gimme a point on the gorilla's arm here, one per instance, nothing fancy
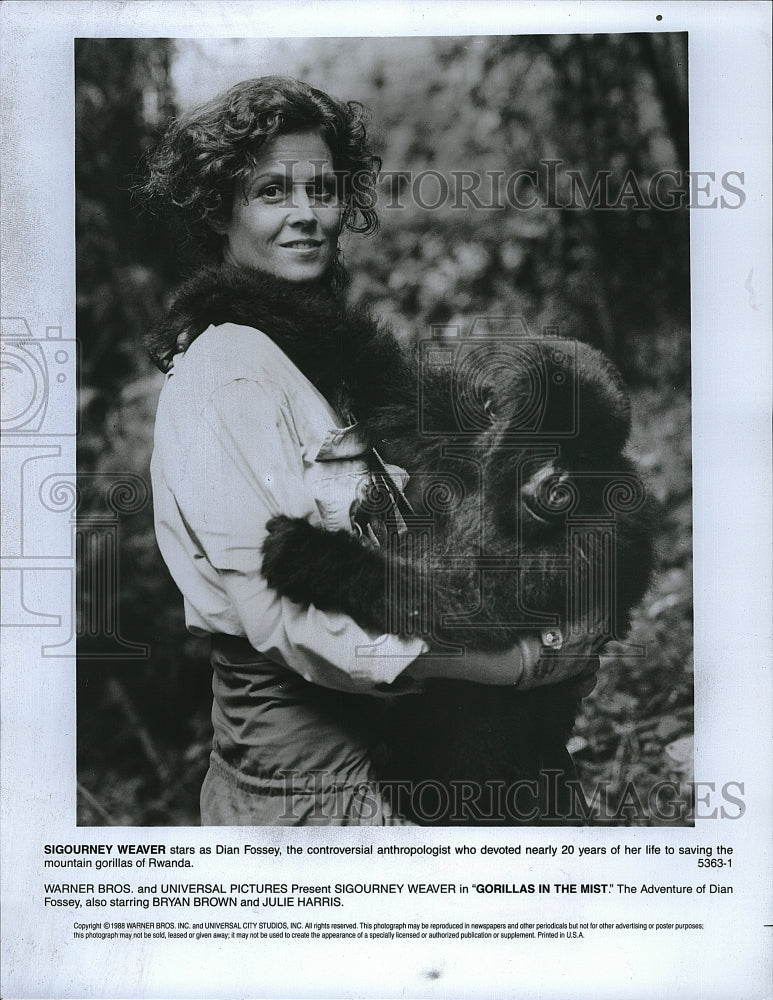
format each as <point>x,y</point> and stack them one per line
<point>331,570</point>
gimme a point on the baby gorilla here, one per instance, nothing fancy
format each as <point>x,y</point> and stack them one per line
<point>522,514</point>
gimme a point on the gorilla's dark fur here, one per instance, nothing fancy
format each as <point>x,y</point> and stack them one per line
<point>522,513</point>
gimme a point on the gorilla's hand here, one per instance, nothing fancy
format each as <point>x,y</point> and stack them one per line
<point>285,565</point>
<point>332,570</point>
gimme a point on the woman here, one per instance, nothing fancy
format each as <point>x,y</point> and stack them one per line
<point>256,418</point>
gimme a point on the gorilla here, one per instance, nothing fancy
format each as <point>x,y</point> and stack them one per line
<point>522,514</point>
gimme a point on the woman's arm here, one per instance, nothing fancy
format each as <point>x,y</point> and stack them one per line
<point>220,473</point>
<point>527,665</point>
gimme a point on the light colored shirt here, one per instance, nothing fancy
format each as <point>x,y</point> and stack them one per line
<point>242,435</point>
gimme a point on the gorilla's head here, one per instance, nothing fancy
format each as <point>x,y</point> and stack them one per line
<point>546,421</point>
<point>550,420</point>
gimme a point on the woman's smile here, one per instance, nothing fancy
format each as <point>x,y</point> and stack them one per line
<point>288,219</point>
<point>302,245</point>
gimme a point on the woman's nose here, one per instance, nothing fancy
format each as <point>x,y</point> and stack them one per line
<point>301,208</point>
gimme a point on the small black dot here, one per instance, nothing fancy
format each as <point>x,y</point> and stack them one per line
<point>658,17</point>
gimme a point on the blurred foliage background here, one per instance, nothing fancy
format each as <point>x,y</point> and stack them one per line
<point>618,279</point>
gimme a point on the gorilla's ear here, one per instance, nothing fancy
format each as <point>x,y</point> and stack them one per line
<point>489,404</point>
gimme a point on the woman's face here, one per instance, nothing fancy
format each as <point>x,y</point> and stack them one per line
<point>288,219</point>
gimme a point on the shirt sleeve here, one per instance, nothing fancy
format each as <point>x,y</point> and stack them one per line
<point>244,467</point>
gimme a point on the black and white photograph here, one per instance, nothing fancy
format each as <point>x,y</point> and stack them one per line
<point>434,523</point>
<point>386,397</point>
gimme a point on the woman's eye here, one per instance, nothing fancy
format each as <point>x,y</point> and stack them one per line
<point>324,191</point>
<point>272,192</point>
<point>320,192</point>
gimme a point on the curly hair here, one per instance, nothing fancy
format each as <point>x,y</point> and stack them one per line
<point>208,154</point>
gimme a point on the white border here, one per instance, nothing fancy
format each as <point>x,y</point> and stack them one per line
<point>730,130</point>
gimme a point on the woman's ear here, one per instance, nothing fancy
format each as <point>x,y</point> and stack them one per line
<point>219,226</point>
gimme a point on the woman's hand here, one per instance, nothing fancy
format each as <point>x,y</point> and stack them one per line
<point>567,659</point>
